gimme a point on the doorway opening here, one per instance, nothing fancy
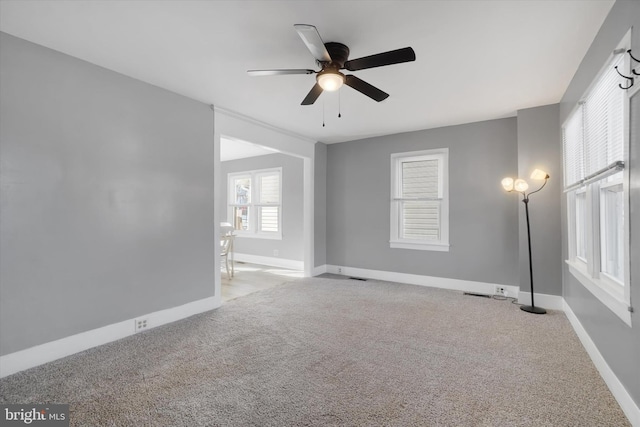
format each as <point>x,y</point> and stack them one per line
<point>260,206</point>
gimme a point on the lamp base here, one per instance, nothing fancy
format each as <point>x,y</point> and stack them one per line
<point>530,309</point>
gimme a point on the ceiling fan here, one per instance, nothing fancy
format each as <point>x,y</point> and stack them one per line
<point>333,57</point>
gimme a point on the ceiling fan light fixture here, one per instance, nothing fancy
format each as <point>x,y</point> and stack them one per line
<point>330,81</point>
<point>333,57</point>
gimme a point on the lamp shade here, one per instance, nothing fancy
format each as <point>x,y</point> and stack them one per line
<point>520,185</point>
<point>330,81</point>
<point>539,174</point>
<point>507,183</point>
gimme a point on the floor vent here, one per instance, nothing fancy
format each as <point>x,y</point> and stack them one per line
<point>477,295</point>
<point>358,278</point>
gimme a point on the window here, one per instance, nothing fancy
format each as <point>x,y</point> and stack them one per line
<point>595,147</point>
<point>255,205</point>
<point>581,224</point>
<point>420,200</point>
<point>612,231</point>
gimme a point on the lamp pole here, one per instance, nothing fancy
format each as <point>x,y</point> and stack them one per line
<point>530,308</point>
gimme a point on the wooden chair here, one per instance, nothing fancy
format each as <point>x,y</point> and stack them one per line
<point>226,248</point>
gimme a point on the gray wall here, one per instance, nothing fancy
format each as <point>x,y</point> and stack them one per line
<point>292,244</point>
<point>618,343</point>
<point>107,197</point>
<point>539,146</point>
<point>320,205</point>
<point>483,219</point>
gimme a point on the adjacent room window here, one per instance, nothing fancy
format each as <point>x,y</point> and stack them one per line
<point>255,203</point>
<point>420,200</point>
<point>596,146</point>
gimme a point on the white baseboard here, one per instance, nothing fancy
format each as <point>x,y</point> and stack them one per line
<point>618,390</point>
<point>551,302</point>
<point>270,261</point>
<point>415,279</point>
<point>321,269</point>
<point>48,352</point>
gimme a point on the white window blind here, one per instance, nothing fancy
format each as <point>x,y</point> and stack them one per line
<point>603,121</point>
<point>269,195</point>
<point>420,217</point>
<point>593,136</point>
<point>421,220</point>
<point>420,179</point>
<point>269,189</point>
<point>572,138</point>
<point>269,218</point>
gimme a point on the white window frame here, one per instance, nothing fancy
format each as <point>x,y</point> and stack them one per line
<point>612,293</point>
<point>254,203</point>
<point>396,242</point>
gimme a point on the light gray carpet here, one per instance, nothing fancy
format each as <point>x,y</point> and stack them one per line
<point>324,352</point>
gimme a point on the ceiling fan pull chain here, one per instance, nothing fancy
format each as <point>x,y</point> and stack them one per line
<point>339,114</point>
<point>323,113</point>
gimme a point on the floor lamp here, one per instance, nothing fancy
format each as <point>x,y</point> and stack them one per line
<point>521,186</point>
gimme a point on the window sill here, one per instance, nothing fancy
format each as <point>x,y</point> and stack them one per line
<point>259,236</point>
<point>419,246</point>
<point>599,289</point>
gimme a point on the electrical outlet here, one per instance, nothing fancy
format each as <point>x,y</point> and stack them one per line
<point>141,324</point>
<point>339,270</point>
<point>276,252</point>
<point>500,291</point>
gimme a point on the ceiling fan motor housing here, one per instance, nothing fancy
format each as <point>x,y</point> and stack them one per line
<point>339,54</point>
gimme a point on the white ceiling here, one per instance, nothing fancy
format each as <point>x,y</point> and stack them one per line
<point>476,60</point>
<point>233,149</point>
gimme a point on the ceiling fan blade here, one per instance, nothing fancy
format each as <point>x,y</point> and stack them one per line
<point>310,36</point>
<point>365,88</point>
<point>313,94</point>
<point>278,72</point>
<point>397,56</point>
